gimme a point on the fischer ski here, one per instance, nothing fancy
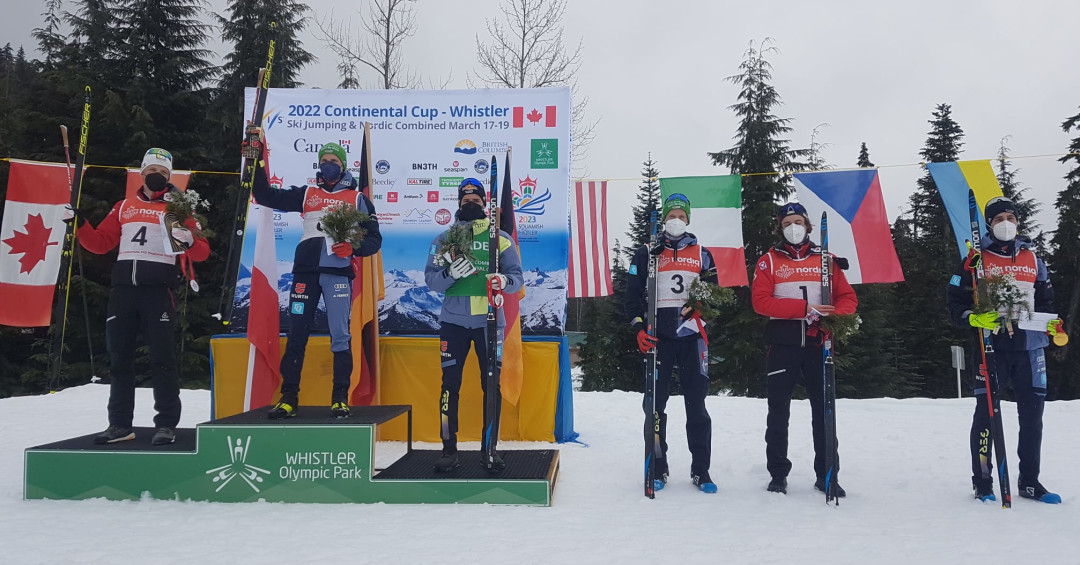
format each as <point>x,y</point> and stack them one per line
<point>63,287</point>
<point>653,449</point>
<point>829,369</point>
<point>248,167</point>
<point>493,392</point>
<point>987,371</point>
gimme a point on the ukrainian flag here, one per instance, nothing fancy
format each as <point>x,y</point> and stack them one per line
<point>953,180</point>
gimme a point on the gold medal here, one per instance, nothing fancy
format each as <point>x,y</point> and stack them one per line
<point>1061,339</point>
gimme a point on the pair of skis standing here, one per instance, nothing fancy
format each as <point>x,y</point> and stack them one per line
<point>653,449</point>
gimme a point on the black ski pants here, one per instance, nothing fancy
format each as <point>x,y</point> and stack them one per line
<point>454,343</point>
<point>687,354</point>
<point>1026,371</point>
<point>336,292</point>
<point>786,366</point>
<point>149,311</point>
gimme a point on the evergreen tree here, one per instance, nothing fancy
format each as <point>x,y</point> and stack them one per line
<point>247,28</point>
<point>760,149</point>
<point>927,252</point>
<point>864,157</point>
<point>610,358</point>
<point>1026,208</point>
<point>648,201</point>
<point>1064,263</point>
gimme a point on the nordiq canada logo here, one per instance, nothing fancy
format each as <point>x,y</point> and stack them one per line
<point>237,467</point>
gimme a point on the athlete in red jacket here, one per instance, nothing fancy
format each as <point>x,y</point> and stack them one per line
<point>141,301</point>
<point>787,288</point>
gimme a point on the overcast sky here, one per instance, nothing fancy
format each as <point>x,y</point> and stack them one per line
<point>873,71</point>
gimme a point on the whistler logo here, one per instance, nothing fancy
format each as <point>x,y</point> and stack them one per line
<point>527,200</point>
<point>481,166</point>
<point>382,166</point>
<point>545,154</point>
<point>237,467</point>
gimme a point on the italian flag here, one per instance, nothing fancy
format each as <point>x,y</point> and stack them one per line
<point>716,220</point>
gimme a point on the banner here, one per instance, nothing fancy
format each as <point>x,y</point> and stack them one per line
<point>31,241</point>
<point>423,143</point>
<point>858,225</point>
<point>716,220</point>
<point>953,180</point>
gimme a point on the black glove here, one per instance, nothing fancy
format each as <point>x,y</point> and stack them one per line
<point>72,215</point>
<point>841,263</point>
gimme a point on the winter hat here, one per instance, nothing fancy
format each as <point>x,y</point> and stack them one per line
<point>156,156</point>
<point>335,150</point>
<point>471,186</point>
<point>790,209</point>
<point>998,205</point>
<point>676,201</point>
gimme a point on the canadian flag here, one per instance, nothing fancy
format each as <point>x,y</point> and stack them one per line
<point>31,241</point>
<point>534,116</point>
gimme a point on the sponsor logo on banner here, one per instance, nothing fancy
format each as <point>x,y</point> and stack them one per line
<point>417,216</point>
<point>425,166</point>
<point>465,146</point>
<point>419,182</point>
<point>455,167</point>
<point>382,167</point>
<point>302,145</point>
<point>544,154</point>
<point>529,200</point>
<point>494,146</point>
<point>443,216</point>
<point>385,182</point>
<point>411,196</point>
<point>433,196</point>
<point>391,197</point>
<point>481,166</point>
<point>450,182</point>
<point>378,197</point>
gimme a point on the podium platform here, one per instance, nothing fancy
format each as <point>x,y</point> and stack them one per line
<point>312,457</point>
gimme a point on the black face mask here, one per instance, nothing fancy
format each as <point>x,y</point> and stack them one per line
<point>156,182</point>
<point>471,211</point>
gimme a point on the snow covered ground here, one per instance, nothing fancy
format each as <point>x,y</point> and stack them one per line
<point>905,467</point>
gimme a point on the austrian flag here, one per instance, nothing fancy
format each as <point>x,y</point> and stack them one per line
<point>534,116</point>
<point>31,241</point>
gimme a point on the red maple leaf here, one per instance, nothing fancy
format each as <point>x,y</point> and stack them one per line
<point>32,244</point>
<point>534,116</point>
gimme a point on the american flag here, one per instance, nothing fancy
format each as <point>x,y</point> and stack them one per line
<point>590,270</point>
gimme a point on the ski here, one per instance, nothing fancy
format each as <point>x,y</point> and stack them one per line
<point>987,364</point>
<point>829,370</point>
<point>248,167</point>
<point>492,396</point>
<point>63,287</point>
<point>653,448</point>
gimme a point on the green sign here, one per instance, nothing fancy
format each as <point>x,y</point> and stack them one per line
<point>249,463</point>
<point>545,154</point>
<point>450,182</point>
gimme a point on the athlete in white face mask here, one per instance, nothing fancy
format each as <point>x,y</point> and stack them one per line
<point>1019,354</point>
<point>681,260</point>
<point>787,288</point>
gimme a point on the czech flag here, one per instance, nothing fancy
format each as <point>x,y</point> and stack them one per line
<point>858,226</point>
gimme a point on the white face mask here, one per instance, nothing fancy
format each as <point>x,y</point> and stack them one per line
<point>795,234</point>
<point>675,227</point>
<point>1005,231</point>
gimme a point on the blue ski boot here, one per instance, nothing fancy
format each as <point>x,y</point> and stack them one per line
<point>1036,491</point>
<point>704,482</point>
